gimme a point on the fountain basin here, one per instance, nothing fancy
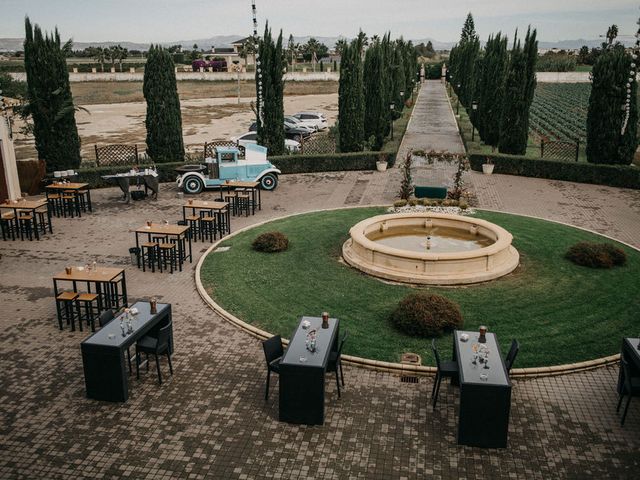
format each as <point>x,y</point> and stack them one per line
<point>475,250</point>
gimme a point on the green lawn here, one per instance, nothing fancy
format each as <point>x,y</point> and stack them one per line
<point>559,312</point>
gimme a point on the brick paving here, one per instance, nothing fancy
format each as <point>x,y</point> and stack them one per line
<point>210,420</point>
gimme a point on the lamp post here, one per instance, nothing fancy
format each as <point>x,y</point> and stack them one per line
<point>413,90</point>
<point>474,109</point>
<point>392,108</point>
<point>401,99</point>
<point>458,103</point>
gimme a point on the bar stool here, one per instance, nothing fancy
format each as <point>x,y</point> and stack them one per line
<point>150,253</point>
<point>68,309</point>
<point>87,300</point>
<point>70,203</point>
<point>25,225</point>
<point>83,197</point>
<point>230,198</point>
<point>243,203</point>
<point>207,226</point>
<point>168,253</point>
<point>194,226</point>
<point>54,203</point>
<point>43,219</point>
<point>8,226</point>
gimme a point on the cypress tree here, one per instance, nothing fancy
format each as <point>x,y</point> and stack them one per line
<point>398,79</point>
<point>519,89</point>
<point>351,100</point>
<point>375,119</point>
<point>462,61</point>
<point>606,140</point>
<point>410,58</point>
<point>492,89</point>
<point>270,119</point>
<point>164,120</point>
<point>50,102</point>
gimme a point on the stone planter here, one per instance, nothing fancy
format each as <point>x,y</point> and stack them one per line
<point>487,168</point>
<point>381,166</point>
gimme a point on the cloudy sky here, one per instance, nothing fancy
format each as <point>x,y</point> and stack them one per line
<point>172,20</point>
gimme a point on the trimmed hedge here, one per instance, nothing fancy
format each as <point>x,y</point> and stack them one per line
<point>328,162</point>
<point>92,175</point>
<point>612,175</point>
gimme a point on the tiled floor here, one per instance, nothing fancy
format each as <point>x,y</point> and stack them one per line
<point>210,420</point>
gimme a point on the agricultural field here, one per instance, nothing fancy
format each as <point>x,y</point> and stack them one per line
<point>559,112</point>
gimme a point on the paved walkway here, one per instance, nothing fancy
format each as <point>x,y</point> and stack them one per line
<point>210,420</point>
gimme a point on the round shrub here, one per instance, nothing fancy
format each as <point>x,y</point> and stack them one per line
<point>596,255</point>
<point>426,315</point>
<point>271,242</point>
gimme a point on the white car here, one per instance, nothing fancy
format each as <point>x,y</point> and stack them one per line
<point>252,137</point>
<point>292,122</point>
<point>313,119</point>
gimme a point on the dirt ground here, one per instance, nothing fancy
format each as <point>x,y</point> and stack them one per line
<point>203,119</point>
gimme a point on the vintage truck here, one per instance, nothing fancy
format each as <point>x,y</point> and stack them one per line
<point>226,164</point>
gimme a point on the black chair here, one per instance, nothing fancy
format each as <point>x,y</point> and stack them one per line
<point>105,317</point>
<point>630,386</point>
<point>273,353</point>
<point>511,356</point>
<point>335,362</point>
<point>444,369</point>
<point>157,346</point>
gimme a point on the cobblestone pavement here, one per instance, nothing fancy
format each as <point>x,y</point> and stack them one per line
<point>210,420</point>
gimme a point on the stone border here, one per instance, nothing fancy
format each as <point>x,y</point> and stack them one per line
<point>390,367</point>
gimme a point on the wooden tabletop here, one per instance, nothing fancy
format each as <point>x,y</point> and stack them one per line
<point>205,205</point>
<point>162,229</point>
<point>27,204</point>
<point>236,183</point>
<point>67,186</point>
<point>103,274</point>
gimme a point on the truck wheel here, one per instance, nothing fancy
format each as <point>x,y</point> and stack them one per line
<point>269,181</point>
<point>193,185</point>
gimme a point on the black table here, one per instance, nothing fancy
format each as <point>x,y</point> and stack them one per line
<point>103,353</point>
<point>631,354</point>
<point>302,373</point>
<point>483,419</point>
<point>150,181</point>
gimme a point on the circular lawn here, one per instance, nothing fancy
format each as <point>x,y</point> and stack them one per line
<point>559,312</point>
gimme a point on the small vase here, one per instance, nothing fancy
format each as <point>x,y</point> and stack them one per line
<point>487,168</point>
<point>381,166</point>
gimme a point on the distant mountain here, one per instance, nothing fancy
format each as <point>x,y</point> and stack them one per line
<point>13,44</point>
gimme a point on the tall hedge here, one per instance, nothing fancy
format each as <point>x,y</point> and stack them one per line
<point>270,118</point>
<point>163,121</point>
<point>606,143</point>
<point>491,89</point>
<point>351,100</point>
<point>518,95</point>
<point>50,102</point>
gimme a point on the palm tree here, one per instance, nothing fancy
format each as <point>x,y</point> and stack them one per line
<point>311,48</point>
<point>247,48</point>
<point>99,55</point>
<point>339,46</point>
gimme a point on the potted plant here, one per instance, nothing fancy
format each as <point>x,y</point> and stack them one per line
<point>487,166</point>
<point>381,164</point>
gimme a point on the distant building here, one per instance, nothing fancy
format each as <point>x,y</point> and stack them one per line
<point>230,54</point>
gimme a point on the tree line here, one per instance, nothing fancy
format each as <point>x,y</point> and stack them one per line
<point>497,85</point>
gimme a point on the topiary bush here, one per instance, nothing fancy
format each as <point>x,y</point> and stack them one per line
<point>596,255</point>
<point>271,242</point>
<point>426,315</point>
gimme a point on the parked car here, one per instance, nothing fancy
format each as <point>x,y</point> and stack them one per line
<point>293,121</point>
<point>313,119</point>
<point>293,131</point>
<point>252,138</point>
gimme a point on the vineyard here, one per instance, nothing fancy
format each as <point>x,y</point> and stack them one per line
<point>559,112</point>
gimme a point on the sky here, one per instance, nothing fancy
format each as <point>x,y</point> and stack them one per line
<point>148,21</point>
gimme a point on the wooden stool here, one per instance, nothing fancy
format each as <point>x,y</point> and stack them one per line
<point>70,204</point>
<point>7,225</point>
<point>43,219</point>
<point>68,309</point>
<point>90,315</point>
<point>82,197</point>
<point>207,226</point>
<point>25,225</point>
<point>149,252</point>
<point>168,252</point>
<point>243,203</point>
<point>194,226</point>
<point>54,204</point>
<point>231,198</point>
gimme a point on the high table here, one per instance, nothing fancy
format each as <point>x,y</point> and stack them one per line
<point>110,284</point>
<point>103,353</point>
<point>151,182</point>
<point>631,354</point>
<point>302,373</point>
<point>178,232</point>
<point>76,187</point>
<point>483,419</point>
<point>219,209</point>
<point>253,187</point>
<point>28,206</point>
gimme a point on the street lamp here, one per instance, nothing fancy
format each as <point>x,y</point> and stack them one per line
<point>474,109</point>
<point>392,107</point>
<point>401,99</point>
<point>458,98</point>
<point>413,90</point>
